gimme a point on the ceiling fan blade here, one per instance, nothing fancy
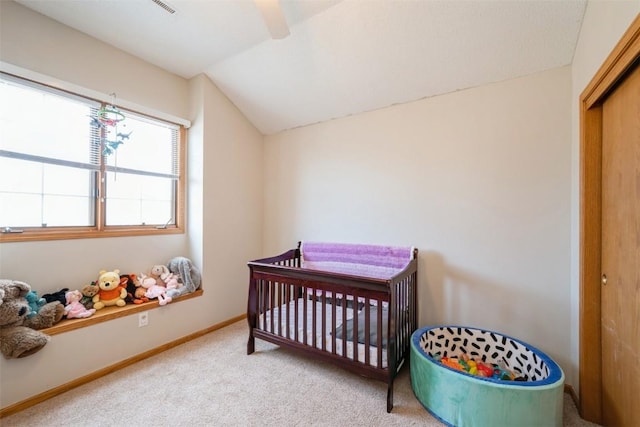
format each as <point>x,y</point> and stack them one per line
<point>273,18</point>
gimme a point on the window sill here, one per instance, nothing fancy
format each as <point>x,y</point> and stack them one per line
<point>110,313</point>
<point>77,233</point>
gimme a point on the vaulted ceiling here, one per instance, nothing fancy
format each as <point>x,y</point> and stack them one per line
<point>341,57</point>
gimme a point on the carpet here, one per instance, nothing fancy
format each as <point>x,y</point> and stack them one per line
<point>211,381</point>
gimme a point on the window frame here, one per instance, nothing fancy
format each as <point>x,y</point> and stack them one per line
<point>100,229</point>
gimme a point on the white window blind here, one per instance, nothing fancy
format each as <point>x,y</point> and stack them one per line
<point>49,153</point>
<point>56,169</point>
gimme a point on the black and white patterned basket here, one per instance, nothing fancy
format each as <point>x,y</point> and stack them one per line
<point>491,347</point>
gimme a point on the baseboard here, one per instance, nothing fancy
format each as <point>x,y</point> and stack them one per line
<point>34,400</point>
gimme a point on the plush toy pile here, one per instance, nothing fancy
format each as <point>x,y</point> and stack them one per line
<point>23,312</point>
<point>19,326</point>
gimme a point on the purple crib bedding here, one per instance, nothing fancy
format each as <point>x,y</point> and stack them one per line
<point>372,261</point>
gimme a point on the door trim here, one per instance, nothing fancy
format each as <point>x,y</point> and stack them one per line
<point>619,61</point>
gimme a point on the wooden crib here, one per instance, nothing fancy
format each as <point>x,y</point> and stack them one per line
<point>346,312</point>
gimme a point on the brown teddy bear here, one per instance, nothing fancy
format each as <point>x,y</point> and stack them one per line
<point>19,335</point>
<point>88,292</point>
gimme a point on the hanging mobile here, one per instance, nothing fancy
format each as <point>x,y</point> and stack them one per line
<point>108,117</point>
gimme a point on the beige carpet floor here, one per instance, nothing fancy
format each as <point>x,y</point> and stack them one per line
<point>211,381</point>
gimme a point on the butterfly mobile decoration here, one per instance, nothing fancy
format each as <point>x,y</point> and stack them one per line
<point>107,120</point>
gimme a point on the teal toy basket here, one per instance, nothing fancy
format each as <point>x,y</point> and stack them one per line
<point>460,399</point>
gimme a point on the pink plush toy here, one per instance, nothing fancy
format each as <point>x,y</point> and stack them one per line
<point>154,289</point>
<point>74,308</point>
<point>171,281</point>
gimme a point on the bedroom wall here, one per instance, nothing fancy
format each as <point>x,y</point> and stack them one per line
<point>224,175</point>
<point>479,180</point>
<point>604,24</point>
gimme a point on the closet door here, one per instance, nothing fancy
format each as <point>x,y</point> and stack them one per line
<point>620,283</point>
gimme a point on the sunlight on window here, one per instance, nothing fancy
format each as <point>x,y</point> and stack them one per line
<point>35,194</point>
<point>43,124</point>
<point>135,199</point>
<point>147,146</point>
<point>63,165</point>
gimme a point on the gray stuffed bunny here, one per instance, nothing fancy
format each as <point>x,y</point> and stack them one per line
<point>188,274</point>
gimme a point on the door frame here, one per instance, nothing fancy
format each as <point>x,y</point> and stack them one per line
<point>619,61</point>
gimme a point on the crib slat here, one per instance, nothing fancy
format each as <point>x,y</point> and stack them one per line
<point>379,332</point>
<point>367,331</point>
<point>355,338</point>
<point>323,333</point>
<point>313,322</point>
<point>305,327</point>
<point>287,298</point>
<point>344,330</point>
<point>333,328</point>
<point>278,287</point>
<point>296,318</point>
<point>272,305</point>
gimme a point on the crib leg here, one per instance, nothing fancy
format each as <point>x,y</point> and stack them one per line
<point>390,398</point>
<point>251,343</point>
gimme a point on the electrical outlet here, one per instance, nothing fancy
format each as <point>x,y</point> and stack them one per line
<point>143,319</point>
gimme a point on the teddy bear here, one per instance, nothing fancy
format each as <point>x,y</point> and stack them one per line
<point>35,302</point>
<point>88,292</point>
<point>74,308</point>
<point>19,335</point>
<point>111,292</point>
<point>157,271</point>
<point>154,290</point>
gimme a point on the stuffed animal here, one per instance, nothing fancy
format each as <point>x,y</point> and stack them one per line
<point>140,296</point>
<point>154,290</point>
<point>74,308</point>
<point>171,281</point>
<point>35,302</point>
<point>88,292</point>
<point>19,335</point>
<point>128,284</point>
<point>164,277</point>
<point>57,296</point>
<point>110,293</point>
<point>135,292</point>
<point>188,275</point>
<point>157,271</point>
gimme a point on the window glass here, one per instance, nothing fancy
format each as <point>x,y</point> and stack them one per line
<point>139,199</point>
<point>69,161</point>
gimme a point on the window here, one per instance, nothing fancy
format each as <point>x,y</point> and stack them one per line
<point>72,167</point>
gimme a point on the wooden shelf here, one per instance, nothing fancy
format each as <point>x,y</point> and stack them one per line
<point>109,313</point>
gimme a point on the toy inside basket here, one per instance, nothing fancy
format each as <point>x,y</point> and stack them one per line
<point>525,362</point>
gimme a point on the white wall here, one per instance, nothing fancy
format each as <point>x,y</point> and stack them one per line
<point>224,175</point>
<point>478,180</point>
<point>604,24</point>
<point>232,199</point>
